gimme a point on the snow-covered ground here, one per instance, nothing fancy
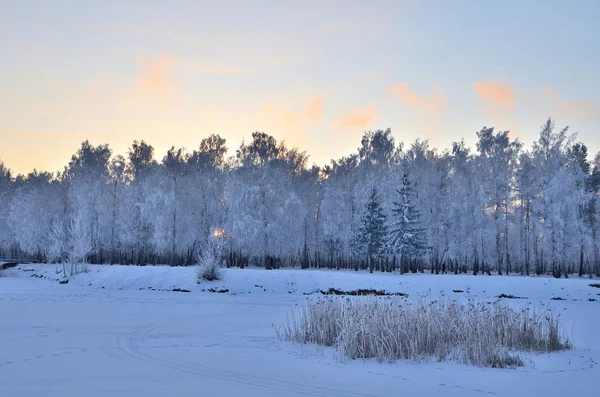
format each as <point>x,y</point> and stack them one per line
<point>121,331</point>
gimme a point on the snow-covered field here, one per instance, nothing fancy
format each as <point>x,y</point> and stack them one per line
<point>122,331</point>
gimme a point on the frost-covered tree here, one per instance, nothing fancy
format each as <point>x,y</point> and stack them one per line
<point>205,203</point>
<point>497,159</point>
<point>6,193</point>
<point>141,168</point>
<point>407,237</point>
<point>527,188</point>
<point>261,197</point>
<point>32,209</point>
<point>80,242</point>
<point>338,207</point>
<point>460,212</point>
<point>593,213</point>
<point>57,245</point>
<point>490,208</point>
<point>175,163</point>
<point>117,181</point>
<point>371,236</point>
<point>557,204</point>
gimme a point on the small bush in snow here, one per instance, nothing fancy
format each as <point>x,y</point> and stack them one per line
<point>210,260</point>
<point>387,329</point>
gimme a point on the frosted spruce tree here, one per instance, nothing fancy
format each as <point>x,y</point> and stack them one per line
<point>370,237</point>
<point>407,237</point>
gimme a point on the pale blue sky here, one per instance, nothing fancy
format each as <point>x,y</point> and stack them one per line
<point>315,73</point>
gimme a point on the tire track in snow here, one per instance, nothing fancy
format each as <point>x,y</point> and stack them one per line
<point>131,342</point>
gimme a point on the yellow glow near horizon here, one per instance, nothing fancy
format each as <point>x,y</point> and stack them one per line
<point>311,74</point>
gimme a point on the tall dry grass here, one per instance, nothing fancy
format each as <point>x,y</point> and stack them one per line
<point>388,329</point>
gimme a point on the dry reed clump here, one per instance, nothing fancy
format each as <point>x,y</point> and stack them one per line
<point>388,329</point>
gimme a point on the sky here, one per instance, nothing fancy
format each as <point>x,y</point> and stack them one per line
<point>316,74</point>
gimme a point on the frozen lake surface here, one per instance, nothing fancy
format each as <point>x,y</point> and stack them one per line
<point>107,332</point>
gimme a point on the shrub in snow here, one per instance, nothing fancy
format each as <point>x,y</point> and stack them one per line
<point>387,329</point>
<point>210,260</point>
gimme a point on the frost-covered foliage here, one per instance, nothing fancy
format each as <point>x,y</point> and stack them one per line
<point>497,207</point>
<point>56,251</point>
<point>407,235</point>
<point>388,329</point>
<point>209,259</point>
<point>80,244</point>
<point>371,236</point>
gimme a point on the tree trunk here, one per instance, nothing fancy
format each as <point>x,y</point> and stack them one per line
<point>174,226</point>
<point>506,238</point>
<point>581,262</point>
<point>112,226</point>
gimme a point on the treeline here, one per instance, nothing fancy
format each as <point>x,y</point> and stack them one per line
<point>497,208</point>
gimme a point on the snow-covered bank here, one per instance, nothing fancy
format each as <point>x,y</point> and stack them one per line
<point>302,282</point>
<point>110,337</point>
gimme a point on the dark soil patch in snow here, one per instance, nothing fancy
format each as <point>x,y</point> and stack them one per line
<point>165,290</point>
<point>457,291</point>
<point>595,285</point>
<point>28,270</point>
<point>557,298</point>
<point>8,265</point>
<point>592,299</point>
<point>509,296</point>
<point>64,281</point>
<point>361,292</point>
<point>36,275</point>
<point>506,361</point>
<point>218,291</point>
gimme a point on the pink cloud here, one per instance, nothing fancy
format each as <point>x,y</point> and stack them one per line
<point>285,116</point>
<point>585,107</point>
<point>436,102</point>
<point>498,98</point>
<point>314,108</point>
<point>289,116</point>
<point>155,75</point>
<point>361,118</point>
<point>569,108</point>
<point>151,95</point>
<point>496,91</point>
<point>212,67</point>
